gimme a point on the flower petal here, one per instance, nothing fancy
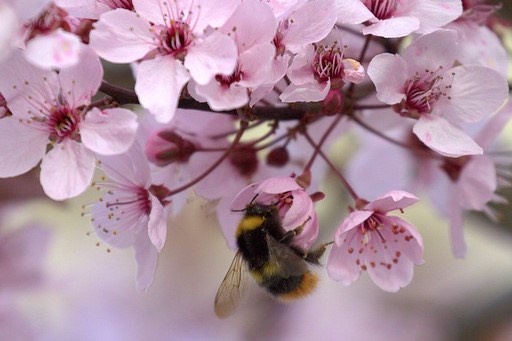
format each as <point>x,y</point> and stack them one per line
<point>205,59</point>
<point>58,49</point>
<point>342,264</point>
<point>159,84</point>
<point>21,147</point>
<point>441,136</point>
<point>353,220</point>
<point>122,36</point>
<point>393,27</point>
<point>157,226</point>
<point>476,92</point>
<point>389,73</point>
<point>67,170</point>
<point>108,132</point>
<point>391,201</point>
<point>146,257</point>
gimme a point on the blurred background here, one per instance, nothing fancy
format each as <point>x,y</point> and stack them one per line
<point>82,290</point>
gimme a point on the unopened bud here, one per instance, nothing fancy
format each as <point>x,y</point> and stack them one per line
<point>165,147</point>
<point>278,157</point>
<point>244,159</point>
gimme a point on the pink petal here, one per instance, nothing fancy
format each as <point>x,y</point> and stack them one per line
<point>58,49</point>
<point>435,13</point>
<point>276,185</point>
<point>477,183</point>
<point>458,241</point>
<point>67,170</point>
<point>8,29</point>
<point>153,10</point>
<point>353,220</point>
<point>353,12</point>
<point>251,24</point>
<point>28,9</point>
<point>130,168</point>
<point>26,87</point>
<point>393,27</point>
<point>89,9</point>
<point>122,36</point>
<point>220,97</point>
<point>309,24</point>
<point>389,73</point>
<point>81,81</point>
<point>494,126</point>
<point>342,265</point>
<point>299,212</point>
<point>476,92</point>
<point>146,257</point>
<point>300,71</point>
<point>108,132</point>
<point>256,64</point>
<point>309,234</point>
<point>21,147</point>
<point>157,226</point>
<point>391,201</point>
<point>309,92</point>
<point>443,137</point>
<point>159,84</point>
<point>205,59</point>
<point>432,51</point>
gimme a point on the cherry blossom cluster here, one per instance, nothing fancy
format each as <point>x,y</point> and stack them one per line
<point>242,100</point>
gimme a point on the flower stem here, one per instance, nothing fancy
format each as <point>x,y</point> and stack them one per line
<point>344,181</point>
<point>243,127</point>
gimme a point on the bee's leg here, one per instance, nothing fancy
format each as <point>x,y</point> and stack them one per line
<point>314,255</point>
<point>288,236</point>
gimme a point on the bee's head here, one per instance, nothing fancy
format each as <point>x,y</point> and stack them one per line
<point>257,209</point>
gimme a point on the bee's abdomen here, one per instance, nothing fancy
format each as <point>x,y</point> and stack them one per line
<point>291,288</point>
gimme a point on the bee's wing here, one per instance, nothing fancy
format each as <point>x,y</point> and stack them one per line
<point>287,261</point>
<point>231,289</point>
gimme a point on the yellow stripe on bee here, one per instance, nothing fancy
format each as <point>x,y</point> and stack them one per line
<point>249,224</point>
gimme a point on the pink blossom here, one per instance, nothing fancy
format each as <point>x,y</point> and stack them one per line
<point>49,108</point>
<point>253,27</point>
<point>319,68</point>
<point>394,18</point>
<point>92,9</point>
<point>295,208</point>
<point>470,183</point>
<point>130,213</point>
<point>477,43</point>
<point>424,83</point>
<point>370,240</point>
<point>300,24</point>
<point>172,41</point>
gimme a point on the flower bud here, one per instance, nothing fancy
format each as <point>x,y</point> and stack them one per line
<point>278,157</point>
<point>166,146</point>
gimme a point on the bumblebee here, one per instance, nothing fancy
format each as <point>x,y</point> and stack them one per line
<point>265,250</point>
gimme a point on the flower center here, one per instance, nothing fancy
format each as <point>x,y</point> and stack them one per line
<point>63,123</point>
<point>381,9</point>
<point>328,64</point>
<point>138,201</point>
<point>176,38</point>
<point>422,92</point>
<point>233,78</point>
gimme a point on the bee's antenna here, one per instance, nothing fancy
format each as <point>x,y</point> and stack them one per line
<point>254,198</point>
<point>245,209</point>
